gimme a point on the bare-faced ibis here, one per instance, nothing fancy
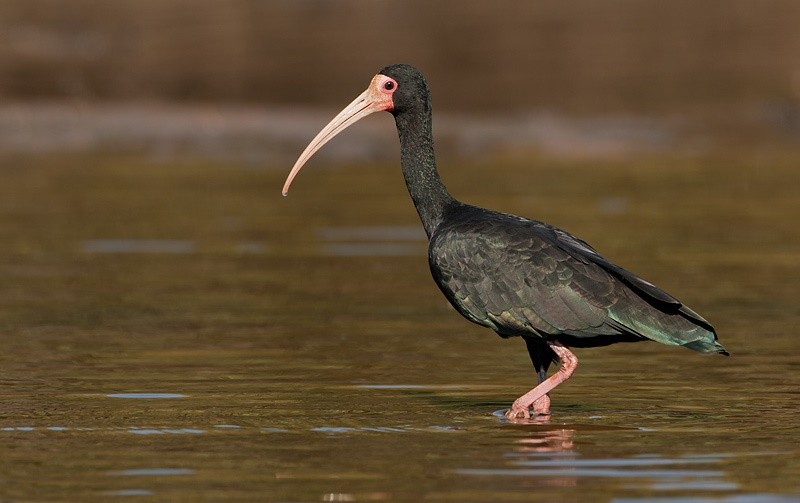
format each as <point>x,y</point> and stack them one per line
<point>518,277</point>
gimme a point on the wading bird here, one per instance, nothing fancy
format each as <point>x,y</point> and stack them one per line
<point>518,277</point>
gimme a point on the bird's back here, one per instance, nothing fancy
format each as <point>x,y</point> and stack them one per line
<point>523,277</point>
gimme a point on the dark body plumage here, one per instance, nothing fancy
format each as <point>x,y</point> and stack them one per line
<point>521,277</point>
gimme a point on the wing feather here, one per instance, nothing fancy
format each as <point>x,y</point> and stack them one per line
<point>520,276</point>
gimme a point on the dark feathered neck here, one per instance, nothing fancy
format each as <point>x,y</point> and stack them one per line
<point>417,158</point>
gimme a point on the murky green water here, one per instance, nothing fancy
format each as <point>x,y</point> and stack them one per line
<point>178,331</point>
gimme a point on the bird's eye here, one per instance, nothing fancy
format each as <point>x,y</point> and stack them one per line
<point>383,84</point>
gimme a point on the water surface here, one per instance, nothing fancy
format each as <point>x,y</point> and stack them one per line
<point>149,355</point>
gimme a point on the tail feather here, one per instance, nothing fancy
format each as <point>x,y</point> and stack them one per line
<point>673,326</point>
<point>705,346</point>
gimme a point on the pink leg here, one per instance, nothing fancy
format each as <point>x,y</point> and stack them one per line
<point>537,397</point>
<point>541,407</point>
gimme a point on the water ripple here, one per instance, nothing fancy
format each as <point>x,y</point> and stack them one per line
<point>138,246</point>
<point>590,472</point>
<point>159,472</point>
<point>145,396</point>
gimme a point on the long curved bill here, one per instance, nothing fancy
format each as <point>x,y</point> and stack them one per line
<point>370,101</point>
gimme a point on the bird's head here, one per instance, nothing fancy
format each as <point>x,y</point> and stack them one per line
<point>396,89</point>
<point>412,90</point>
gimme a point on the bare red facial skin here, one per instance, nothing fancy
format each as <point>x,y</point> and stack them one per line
<point>377,98</point>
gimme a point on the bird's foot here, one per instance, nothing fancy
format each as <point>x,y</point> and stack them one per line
<point>518,411</point>
<point>522,410</point>
<point>541,407</point>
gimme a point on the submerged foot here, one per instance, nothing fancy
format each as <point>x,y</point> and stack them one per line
<point>518,412</point>
<point>522,410</point>
<point>541,407</point>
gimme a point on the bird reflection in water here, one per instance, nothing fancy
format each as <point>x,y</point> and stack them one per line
<point>560,440</point>
<point>556,444</point>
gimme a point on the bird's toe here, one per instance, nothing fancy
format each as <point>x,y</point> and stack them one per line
<point>518,411</point>
<point>541,407</point>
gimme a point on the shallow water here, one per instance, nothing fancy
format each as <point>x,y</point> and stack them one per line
<point>178,331</point>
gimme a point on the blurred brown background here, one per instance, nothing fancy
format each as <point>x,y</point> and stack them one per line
<point>728,64</point>
<point>579,55</point>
